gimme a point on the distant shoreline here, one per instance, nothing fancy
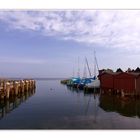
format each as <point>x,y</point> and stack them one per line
<point>49,78</point>
<point>17,78</point>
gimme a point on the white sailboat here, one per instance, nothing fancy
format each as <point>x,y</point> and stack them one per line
<point>96,82</point>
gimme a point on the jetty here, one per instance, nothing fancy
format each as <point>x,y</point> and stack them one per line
<point>14,87</point>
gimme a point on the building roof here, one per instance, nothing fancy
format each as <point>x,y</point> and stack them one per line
<point>118,73</point>
<point>109,72</point>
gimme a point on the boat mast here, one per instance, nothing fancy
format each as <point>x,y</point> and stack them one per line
<point>78,73</point>
<point>73,72</point>
<point>95,63</point>
<point>88,67</point>
<point>85,71</point>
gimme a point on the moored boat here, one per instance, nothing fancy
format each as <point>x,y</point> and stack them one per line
<point>73,82</point>
<point>84,82</point>
<point>93,84</point>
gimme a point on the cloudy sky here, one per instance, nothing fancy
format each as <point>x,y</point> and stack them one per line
<point>48,43</point>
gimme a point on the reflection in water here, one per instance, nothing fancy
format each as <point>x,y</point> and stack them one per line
<point>55,106</point>
<point>128,107</point>
<point>112,103</point>
<point>91,101</point>
<point>72,89</point>
<point>8,105</point>
<point>77,90</point>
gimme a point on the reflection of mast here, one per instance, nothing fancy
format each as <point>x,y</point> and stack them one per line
<point>95,109</point>
<point>86,110</point>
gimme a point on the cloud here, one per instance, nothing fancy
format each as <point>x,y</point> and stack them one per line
<point>107,28</point>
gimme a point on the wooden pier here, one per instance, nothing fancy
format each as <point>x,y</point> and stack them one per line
<point>15,87</point>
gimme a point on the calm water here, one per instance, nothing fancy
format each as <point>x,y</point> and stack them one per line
<point>54,106</point>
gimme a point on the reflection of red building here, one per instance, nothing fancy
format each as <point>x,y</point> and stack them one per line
<point>128,82</point>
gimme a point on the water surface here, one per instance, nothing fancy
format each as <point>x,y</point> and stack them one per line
<point>55,106</point>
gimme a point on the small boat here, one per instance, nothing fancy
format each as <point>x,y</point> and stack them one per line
<point>84,82</point>
<point>76,81</point>
<point>93,84</point>
<point>73,82</point>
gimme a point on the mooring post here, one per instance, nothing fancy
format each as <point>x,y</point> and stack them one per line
<point>7,90</point>
<point>22,84</point>
<point>34,84</point>
<point>86,89</point>
<point>2,90</point>
<point>16,87</point>
<point>31,84</point>
<point>4,86</point>
<point>122,93</point>
<point>27,85</point>
<point>94,90</point>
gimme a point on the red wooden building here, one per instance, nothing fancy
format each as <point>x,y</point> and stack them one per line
<point>107,80</point>
<point>123,81</point>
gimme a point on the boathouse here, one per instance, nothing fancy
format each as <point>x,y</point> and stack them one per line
<point>121,82</point>
<point>128,82</point>
<point>107,80</point>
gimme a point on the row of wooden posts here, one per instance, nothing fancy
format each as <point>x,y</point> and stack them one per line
<point>8,105</point>
<point>14,87</point>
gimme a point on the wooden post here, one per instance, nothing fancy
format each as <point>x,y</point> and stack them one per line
<point>31,84</point>
<point>122,93</point>
<point>27,85</point>
<point>7,90</point>
<point>85,89</point>
<point>34,84</point>
<point>102,91</point>
<point>4,86</point>
<point>16,87</point>
<point>22,83</point>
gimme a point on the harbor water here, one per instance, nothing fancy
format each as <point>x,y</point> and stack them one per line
<point>55,106</point>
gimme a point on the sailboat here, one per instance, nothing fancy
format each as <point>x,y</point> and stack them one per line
<point>74,81</point>
<point>84,81</point>
<point>95,83</point>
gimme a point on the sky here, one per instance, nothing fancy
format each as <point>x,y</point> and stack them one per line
<point>48,43</point>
